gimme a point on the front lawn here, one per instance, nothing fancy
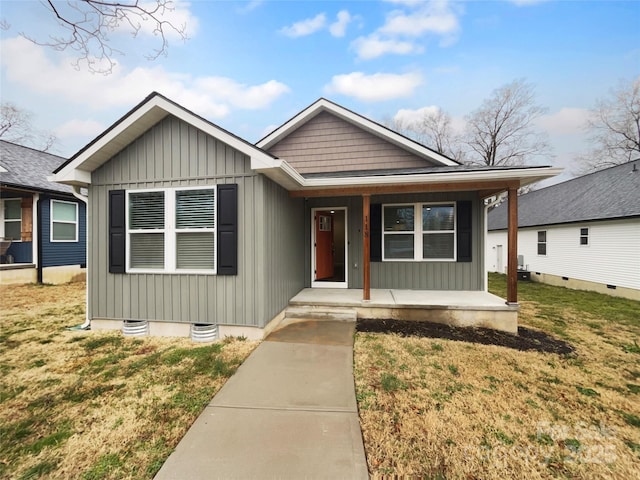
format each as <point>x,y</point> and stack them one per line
<point>95,405</point>
<point>439,408</point>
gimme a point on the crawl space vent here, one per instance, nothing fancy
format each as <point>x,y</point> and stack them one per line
<point>204,332</point>
<point>135,328</point>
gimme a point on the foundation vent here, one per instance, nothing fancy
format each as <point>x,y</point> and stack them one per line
<point>135,328</point>
<point>204,332</point>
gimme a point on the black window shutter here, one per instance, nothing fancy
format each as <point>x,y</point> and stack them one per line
<point>117,231</point>
<point>227,225</point>
<point>463,226</point>
<point>375,214</point>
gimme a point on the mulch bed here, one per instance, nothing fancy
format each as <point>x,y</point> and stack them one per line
<point>527,339</point>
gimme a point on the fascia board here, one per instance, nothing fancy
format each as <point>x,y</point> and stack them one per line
<point>524,176</point>
<point>289,178</point>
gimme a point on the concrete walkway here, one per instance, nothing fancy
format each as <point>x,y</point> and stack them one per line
<point>288,412</point>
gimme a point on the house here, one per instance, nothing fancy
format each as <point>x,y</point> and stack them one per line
<point>193,227</point>
<point>42,223</point>
<point>583,233</point>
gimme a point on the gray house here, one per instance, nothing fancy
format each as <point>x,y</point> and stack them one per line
<point>193,227</point>
<point>42,223</point>
<point>583,233</point>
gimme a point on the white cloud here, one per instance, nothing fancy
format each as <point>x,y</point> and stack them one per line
<point>339,27</point>
<point>79,128</point>
<point>435,17</point>
<point>566,121</point>
<point>250,6</point>
<point>376,87</point>
<point>373,46</point>
<point>415,20</point>
<point>25,63</point>
<point>408,117</point>
<point>248,97</point>
<point>305,27</point>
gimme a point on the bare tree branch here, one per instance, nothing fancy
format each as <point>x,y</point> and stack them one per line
<point>614,128</point>
<point>502,130</point>
<point>16,127</point>
<point>89,23</point>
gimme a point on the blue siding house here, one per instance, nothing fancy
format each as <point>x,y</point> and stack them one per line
<point>43,225</point>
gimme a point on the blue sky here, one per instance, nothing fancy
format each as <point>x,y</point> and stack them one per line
<point>249,66</point>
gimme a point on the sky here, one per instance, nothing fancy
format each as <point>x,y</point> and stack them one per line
<point>249,66</point>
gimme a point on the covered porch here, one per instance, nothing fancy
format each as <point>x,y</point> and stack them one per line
<point>456,308</point>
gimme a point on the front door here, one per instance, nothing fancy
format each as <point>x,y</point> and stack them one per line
<point>324,245</point>
<point>329,247</point>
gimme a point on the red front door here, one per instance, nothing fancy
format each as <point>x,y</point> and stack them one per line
<point>324,245</point>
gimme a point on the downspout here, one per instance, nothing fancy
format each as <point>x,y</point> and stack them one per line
<point>497,200</point>
<point>39,242</point>
<point>85,199</point>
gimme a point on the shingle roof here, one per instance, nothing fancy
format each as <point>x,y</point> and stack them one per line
<point>29,168</point>
<point>606,194</point>
<point>414,171</point>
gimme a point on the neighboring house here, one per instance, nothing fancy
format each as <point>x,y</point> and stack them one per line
<point>42,224</point>
<point>191,225</point>
<point>583,233</point>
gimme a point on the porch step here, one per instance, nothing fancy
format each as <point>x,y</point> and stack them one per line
<point>317,312</point>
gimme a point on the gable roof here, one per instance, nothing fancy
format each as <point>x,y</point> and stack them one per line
<point>27,168</point>
<point>607,194</point>
<point>324,105</point>
<point>77,170</point>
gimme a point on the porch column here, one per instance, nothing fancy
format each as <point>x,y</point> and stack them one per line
<point>512,248</point>
<point>366,247</point>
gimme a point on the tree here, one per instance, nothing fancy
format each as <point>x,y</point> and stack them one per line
<point>433,129</point>
<point>16,127</point>
<point>614,127</point>
<point>502,130</point>
<point>89,22</point>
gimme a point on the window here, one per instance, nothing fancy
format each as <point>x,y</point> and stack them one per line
<point>542,243</point>
<point>432,237</point>
<point>64,221</point>
<point>12,219</point>
<point>584,236</point>
<point>172,230</point>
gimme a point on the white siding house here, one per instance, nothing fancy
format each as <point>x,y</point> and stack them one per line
<point>583,233</point>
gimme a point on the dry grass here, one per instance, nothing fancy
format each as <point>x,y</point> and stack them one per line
<point>94,405</point>
<point>434,408</point>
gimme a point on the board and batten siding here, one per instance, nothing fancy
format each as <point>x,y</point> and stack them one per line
<point>327,143</point>
<point>283,248</point>
<point>414,275</point>
<point>175,154</point>
<point>611,258</point>
<point>55,254</point>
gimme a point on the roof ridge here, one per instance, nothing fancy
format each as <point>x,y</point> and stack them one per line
<point>32,148</point>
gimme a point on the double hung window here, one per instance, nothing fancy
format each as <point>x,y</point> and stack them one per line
<point>542,242</point>
<point>172,230</point>
<point>12,219</point>
<point>584,236</point>
<point>64,221</point>
<point>419,232</point>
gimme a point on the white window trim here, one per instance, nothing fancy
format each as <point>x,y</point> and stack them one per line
<point>584,245</point>
<point>52,221</point>
<point>418,232</point>
<point>170,232</point>
<point>538,243</point>
<point>2,220</point>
